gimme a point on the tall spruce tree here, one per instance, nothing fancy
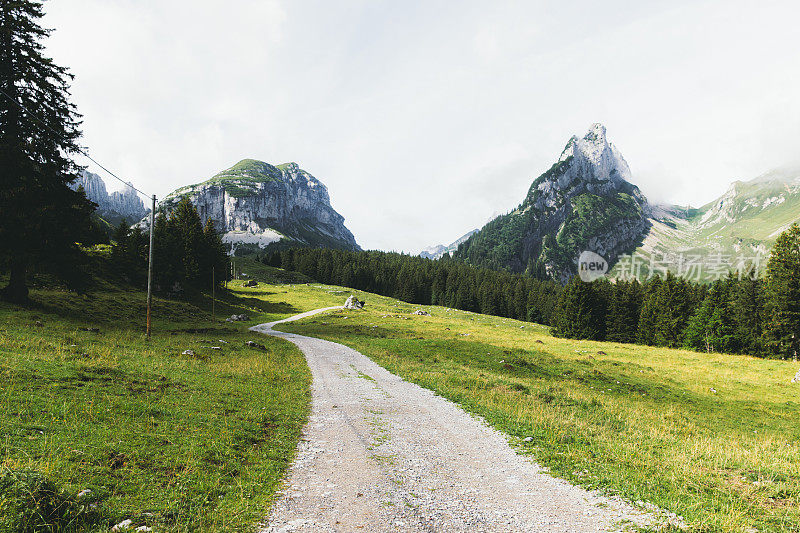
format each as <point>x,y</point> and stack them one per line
<point>580,312</point>
<point>782,331</point>
<point>41,218</point>
<point>648,315</point>
<point>214,258</point>
<point>623,311</point>
<point>188,230</point>
<point>712,327</point>
<point>748,311</point>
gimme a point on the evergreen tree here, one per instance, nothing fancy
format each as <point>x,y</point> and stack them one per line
<point>782,331</point>
<point>748,311</point>
<point>648,315</point>
<point>214,258</point>
<point>623,313</point>
<point>673,305</point>
<point>712,328</point>
<point>580,312</point>
<point>121,234</point>
<point>187,228</point>
<point>165,254</point>
<point>41,218</point>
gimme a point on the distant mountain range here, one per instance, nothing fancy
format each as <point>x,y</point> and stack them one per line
<point>586,202</point>
<point>114,207</point>
<point>435,252</point>
<point>735,231</point>
<point>255,204</point>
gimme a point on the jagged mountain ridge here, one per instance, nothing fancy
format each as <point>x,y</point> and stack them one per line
<point>113,207</point>
<point>436,252</point>
<point>255,204</point>
<point>734,231</point>
<point>585,201</point>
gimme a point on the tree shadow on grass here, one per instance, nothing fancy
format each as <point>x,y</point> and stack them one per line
<point>235,304</point>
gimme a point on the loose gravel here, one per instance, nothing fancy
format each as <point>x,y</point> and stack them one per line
<point>382,454</point>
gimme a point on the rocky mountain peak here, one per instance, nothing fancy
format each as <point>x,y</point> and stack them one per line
<point>256,204</point>
<point>584,202</point>
<point>595,158</point>
<point>587,165</point>
<point>114,207</point>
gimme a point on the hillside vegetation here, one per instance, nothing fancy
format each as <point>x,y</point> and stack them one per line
<point>711,437</point>
<point>173,441</point>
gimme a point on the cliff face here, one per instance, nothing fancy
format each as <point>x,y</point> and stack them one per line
<point>257,203</point>
<point>114,207</point>
<point>583,202</point>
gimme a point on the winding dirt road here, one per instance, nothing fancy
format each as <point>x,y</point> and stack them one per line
<point>382,454</point>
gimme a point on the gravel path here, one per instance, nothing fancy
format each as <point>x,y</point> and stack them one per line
<point>382,454</point>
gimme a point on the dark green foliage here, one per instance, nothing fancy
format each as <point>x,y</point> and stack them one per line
<point>748,309</point>
<point>649,312</point>
<point>712,328</point>
<point>672,312</point>
<point>186,254</point>
<point>729,316</point>
<point>423,281</point>
<point>129,253</point>
<point>31,503</point>
<point>581,310</point>
<point>737,314</point>
<point>782,331</point>
<point>624,309</point>
<point>41,218</point>
<point>590,216</point>
<point>674,304</point>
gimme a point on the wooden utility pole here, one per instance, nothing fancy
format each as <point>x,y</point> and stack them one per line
<point>150,265</point>
<point>213,300</point>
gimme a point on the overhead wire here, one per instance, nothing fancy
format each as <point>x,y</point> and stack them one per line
<point>80,150</point>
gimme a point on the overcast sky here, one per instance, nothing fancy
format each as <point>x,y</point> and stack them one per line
<point>426,118</point>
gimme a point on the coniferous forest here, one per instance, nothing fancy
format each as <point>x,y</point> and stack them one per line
<point>426,282</point>
<point>736,314</point>
<point>187,254</point>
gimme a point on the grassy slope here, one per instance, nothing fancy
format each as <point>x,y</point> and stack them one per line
<point>172,441</point>
<point>641,422</point>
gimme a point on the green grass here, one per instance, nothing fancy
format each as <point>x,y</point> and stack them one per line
<point>176,442</point>
<point>644,423</point>
<point>200,443</point>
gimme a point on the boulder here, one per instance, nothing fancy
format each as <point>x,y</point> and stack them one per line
<point>421,312</point>
<point>252,344</point>
<point>354,303</point>
<point>251,283</point>
<point>238,318</point>
<point>125,524</point>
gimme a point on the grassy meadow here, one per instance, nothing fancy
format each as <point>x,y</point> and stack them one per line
<point>170,441</point>
<point>712,437</point>
<point>200,443</point>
